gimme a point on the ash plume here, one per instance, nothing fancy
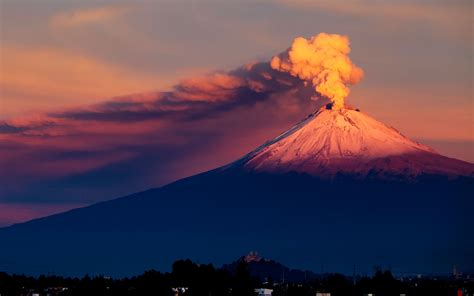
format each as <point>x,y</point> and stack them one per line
<point>324,61</point>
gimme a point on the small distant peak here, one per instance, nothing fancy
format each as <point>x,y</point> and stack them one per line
<point>252,257</point>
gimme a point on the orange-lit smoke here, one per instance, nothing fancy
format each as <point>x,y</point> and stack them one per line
<point>323,60</point>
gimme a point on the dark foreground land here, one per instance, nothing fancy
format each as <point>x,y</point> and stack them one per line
<point>188,278</point>
<point>425,226</point>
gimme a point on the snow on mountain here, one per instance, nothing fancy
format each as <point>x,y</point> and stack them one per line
<point>330,142</point>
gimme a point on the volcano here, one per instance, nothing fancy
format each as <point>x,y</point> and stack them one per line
<point>339,189</point>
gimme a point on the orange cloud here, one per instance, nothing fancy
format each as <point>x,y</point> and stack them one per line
<point>214,87</point>
<point>37,79</point>
<point>82,17</point>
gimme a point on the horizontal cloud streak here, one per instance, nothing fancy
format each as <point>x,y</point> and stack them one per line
<point>83,17</point>
<point>442,14</point>
<point>43,77</point>
<point>192,99</point>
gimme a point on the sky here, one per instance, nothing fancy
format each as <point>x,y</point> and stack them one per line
<point>99,99</point>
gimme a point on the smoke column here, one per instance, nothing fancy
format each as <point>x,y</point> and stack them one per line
<point>323,60</point>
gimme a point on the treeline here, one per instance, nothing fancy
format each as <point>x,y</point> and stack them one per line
<point>202,279</point>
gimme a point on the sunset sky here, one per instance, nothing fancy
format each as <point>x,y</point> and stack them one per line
<point>99,99</point>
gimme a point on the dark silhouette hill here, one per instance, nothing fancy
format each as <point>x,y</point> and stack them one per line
<point>267,270</point>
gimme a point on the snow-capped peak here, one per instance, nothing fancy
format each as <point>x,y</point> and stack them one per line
<point>329,142</point>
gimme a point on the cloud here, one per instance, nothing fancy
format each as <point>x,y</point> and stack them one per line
<point>191,99</point>
<point>46,78</point>
<point>215,87</point>
<point>445,19</point>
<point>83,17</point>
<point>445,15</point>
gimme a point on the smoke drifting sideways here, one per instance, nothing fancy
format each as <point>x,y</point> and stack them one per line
<point>192,99</point>
<point>324,61</point>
